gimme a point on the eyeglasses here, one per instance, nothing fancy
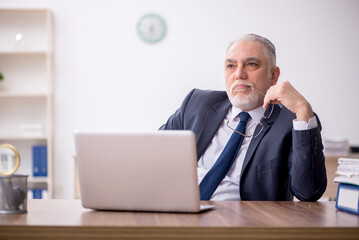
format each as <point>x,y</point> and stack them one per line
<point>260,124</point>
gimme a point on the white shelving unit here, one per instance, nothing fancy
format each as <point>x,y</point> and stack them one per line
<point>26,92</point>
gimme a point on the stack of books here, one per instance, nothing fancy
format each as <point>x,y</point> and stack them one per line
<point>348,188</point>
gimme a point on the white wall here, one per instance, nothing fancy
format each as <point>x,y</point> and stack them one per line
<point>106,77</point>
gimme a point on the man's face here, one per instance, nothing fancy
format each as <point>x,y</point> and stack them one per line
<point>247,74</point>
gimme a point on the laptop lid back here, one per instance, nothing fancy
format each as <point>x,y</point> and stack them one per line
<point>155,171</point>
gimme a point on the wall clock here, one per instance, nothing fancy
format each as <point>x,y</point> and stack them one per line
<point>151,28</point>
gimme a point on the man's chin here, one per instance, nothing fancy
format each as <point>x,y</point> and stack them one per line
<point>246,103</point>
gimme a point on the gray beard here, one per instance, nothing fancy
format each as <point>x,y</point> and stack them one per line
<point>248,102</point>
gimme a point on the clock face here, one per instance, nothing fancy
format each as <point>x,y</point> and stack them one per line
<point>151,28</point>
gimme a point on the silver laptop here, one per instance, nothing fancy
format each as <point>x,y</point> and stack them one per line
<point>155,171</point>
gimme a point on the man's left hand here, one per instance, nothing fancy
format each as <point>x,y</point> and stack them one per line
<point>284,93</point>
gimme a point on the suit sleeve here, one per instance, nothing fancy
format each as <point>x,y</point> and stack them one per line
<point>308,173</point>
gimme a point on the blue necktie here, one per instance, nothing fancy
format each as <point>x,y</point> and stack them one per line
<point>221,167</point>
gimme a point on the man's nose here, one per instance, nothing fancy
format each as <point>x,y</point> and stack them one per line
<point>240,73</point>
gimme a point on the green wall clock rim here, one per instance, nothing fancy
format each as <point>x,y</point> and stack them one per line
<point>163,33</point>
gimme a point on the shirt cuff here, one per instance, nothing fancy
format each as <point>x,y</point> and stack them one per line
<point>303,125</point>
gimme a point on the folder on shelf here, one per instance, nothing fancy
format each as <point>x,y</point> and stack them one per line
<point>39,161</point>
<point>43,161</point>
<point>35,161</point>
<point>37,193</point>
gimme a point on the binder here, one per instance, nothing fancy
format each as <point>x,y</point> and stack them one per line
<point>43,161</point>
<point>35,161</point>
<point>39,160</point>
<point>348,198</point>
<point>37,193</point>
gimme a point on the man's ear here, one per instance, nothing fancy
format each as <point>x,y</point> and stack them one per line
<point>275,75</point>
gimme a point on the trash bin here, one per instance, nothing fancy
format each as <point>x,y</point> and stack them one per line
<point>13,194</point>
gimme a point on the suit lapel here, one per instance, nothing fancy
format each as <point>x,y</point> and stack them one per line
<point>267,124</point>
<point>211,124</point>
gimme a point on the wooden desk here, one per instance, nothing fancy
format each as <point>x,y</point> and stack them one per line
<point>67,219</point>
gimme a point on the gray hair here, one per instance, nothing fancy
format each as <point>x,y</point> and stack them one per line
<point>269,47</point>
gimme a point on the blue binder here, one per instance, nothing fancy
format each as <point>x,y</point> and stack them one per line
<point>37,193</point>
<point>39,161</point>
<point>43,161</point>
<point>35,161</point>
<point>348,198</point>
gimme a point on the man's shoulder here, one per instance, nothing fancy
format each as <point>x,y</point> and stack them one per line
<point>201,100</point>
<point>209,94</point>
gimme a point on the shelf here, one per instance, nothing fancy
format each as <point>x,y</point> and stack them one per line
<point>38,182</point>
<point>21,95</point>
<point>23,137</point>
<point>32,26</point>
<point>26,92</point>
<point>38,179</point>
<point>24,10</point>
<point>24,73</point>
<point>14,52</point>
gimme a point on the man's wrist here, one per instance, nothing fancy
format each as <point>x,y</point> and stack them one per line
<point>305,112</point>
<point>303,125</point>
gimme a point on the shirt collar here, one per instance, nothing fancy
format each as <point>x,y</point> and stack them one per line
<point>256,114</point>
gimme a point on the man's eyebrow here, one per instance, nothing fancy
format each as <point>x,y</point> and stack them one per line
<point>248,59</point>
<point>231,60</point>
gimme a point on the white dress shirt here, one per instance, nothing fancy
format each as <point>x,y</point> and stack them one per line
<point>228,189</point>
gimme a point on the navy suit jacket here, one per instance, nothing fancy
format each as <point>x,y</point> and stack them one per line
<point>279,163</point>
